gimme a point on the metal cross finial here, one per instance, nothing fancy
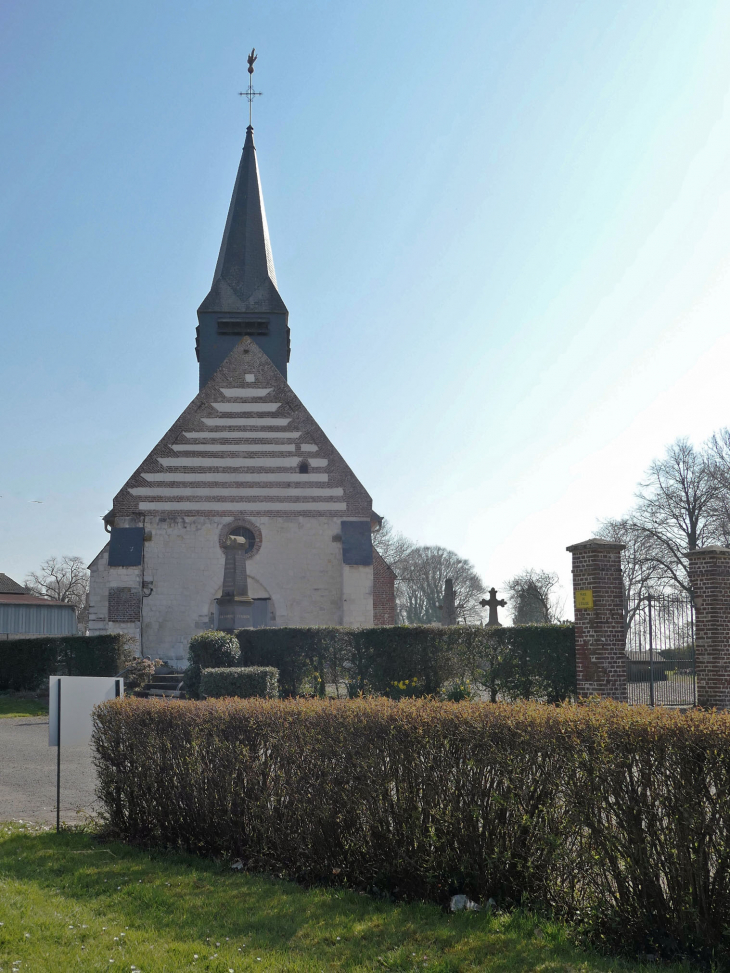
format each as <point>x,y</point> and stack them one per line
<point>251,94</point>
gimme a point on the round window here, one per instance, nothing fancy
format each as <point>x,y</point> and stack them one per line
<point>235,532</point>
<point>244,534</point>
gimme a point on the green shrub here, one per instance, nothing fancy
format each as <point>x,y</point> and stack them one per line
<point>208,650</point>
<point>138,673</point>
<point>526,662</point>
<point>214,649</point>
<point>458,692</point>
<point>191,681</point>
<point>306,658</point>
<point>615,817</point>
<point>26,664</point>
<point>245,682</point>
<point>422,657</point>
<point>519,662</point>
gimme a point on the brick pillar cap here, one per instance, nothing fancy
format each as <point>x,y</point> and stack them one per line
<point>598,544</point>
<point>710,549</point>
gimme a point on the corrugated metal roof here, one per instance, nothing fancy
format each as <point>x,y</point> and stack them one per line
<point>28,600</point>
<point>38,619</point>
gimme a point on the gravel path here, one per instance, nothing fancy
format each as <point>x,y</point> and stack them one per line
<point>28,774</point>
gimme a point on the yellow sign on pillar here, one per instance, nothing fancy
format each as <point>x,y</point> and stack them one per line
<point>584,599</point>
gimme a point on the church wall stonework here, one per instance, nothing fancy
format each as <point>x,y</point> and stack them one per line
<point>357,595</point>
<point>98,587</point>
<point>299,565</point>
<point>102,581</point>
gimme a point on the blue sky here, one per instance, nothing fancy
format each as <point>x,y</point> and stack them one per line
<point>502,230</point>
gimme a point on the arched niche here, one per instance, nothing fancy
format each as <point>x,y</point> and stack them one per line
<point>264,610</point>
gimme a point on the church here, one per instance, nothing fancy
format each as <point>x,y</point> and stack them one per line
<point>244,514</point>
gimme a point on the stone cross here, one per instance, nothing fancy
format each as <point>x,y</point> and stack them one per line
<point>493,603</point>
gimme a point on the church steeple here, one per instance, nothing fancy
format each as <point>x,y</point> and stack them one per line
<point>244,298</point>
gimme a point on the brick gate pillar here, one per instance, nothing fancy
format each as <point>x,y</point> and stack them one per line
<point>600,633</point>
<point>709,576</point>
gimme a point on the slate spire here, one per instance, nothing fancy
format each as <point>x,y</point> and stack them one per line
<point>244,298</point>
<point>244,278</point>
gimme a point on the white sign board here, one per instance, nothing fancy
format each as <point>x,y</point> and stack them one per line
<point>79,695</point>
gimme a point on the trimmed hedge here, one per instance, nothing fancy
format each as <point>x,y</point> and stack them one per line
<point>208,650</point>
<point>244,683</point>
<point>614,817</point>
<point>519,662</point>
<point>213,648</point>
<point>304,657</point>
<point>26,664</point>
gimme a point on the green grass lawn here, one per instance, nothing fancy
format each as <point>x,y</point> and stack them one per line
<point>70,903</point>
<point>13,706</point>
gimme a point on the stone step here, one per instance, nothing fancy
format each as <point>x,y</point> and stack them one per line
<point>167,684</point>
<point>157,683</point>
<point>147,693</point>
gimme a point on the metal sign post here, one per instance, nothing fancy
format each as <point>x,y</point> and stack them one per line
<point>58,763</point>
<point>80,694</point>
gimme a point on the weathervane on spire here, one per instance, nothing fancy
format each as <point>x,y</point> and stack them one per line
<point>251,94</point>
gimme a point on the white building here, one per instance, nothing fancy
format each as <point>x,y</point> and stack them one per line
<point>244,513</point>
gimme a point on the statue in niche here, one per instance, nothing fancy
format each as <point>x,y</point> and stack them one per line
<point>235,605</point>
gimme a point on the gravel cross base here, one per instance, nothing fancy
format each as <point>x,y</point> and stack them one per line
<point>28,775</point>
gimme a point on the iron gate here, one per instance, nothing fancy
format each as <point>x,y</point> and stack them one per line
<point>660,651</point>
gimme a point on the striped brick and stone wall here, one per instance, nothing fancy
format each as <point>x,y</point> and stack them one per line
<point>244,452</point>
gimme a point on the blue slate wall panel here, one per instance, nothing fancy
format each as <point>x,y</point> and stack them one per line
<point>357,544</point>
<point>125,547</point>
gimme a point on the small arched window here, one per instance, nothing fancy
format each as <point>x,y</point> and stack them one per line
<point>304,466</point>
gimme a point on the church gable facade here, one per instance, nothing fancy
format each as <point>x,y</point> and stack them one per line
<point>244,513</point>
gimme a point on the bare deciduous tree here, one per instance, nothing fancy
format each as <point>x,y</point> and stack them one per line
<point>62,579</point>
<point>718,458</point>
<point>392,545</point>
<point>534,597</point>
<point>676,511</point>
<point>423,573</point>
<point>683,503</point>
<point>640,573</point>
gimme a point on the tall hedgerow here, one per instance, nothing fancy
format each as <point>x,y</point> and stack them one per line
<point>26,664</point>
<point>614,817</point>
<point>517,662</point>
